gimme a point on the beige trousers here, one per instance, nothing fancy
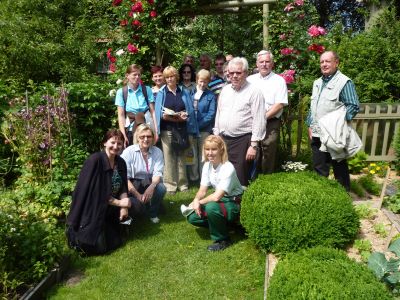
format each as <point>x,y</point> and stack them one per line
<point>195,169</point>
<point>174,165</point>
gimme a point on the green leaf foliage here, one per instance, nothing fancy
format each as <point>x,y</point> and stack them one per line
<point>395,247</point>
<point>375,68</point>
<point>285,212</point>
<point>378,264</point>
<point>30,245</point>
<point>323,273</point>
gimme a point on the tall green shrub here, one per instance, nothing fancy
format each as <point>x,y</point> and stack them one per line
<point>372,60</point>
<point>285,212</point>
<point>324,273</point>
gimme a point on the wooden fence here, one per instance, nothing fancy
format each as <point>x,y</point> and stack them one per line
<point>377,125</point>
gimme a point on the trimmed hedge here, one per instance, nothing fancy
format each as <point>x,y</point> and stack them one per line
<point>324,273</point>
<point>285,212</point>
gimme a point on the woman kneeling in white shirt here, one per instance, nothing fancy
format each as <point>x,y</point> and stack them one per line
<point>217,209</point>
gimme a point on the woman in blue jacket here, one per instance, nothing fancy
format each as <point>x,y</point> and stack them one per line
<point>205,107</point>
<point>174,112</point>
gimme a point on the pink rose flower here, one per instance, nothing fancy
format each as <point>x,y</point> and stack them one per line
<point>136,23</point>
<point>132,48</point>
<point>287,51</point>
<point>288,75</point>
<point>288,7</point>
<point>153,14</point>
<point>282,37</point>
<point>116,2</point>
<point>299,2</point>
<point>315,31</point>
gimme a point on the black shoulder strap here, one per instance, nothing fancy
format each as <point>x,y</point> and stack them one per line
<point>146,97</point>
<point>125,95</point>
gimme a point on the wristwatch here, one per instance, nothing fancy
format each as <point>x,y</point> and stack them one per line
<point>254,145</point>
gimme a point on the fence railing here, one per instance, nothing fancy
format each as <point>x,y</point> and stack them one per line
<point>377,125</point>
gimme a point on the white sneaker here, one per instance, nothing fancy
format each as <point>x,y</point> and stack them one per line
<point>186,210</point>
<point>155,220</point>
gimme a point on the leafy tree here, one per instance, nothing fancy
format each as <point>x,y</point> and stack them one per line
<point>50,40</point>
<point>375,68</point>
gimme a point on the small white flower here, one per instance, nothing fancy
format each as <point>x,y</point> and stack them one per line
<point>119,81</point>
<point>120,52</point>
<point>13,229</point>
<point>112,93</point>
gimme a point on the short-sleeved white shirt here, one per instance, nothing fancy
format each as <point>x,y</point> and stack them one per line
<point>273,88</point>
<point>222,178</point>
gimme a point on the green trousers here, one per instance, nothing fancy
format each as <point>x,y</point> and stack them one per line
<point>215,216</point>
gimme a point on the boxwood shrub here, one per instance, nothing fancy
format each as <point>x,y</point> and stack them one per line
<point>324,273</point>
<point>285,212</point>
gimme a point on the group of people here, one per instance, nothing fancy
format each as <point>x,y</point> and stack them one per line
<point>226,125</point>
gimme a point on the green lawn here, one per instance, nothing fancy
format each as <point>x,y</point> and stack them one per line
<point>170,261</point>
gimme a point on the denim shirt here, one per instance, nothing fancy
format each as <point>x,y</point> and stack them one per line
<point>191,123</point>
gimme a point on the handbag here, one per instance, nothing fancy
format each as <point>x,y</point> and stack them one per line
<point>180,138</point>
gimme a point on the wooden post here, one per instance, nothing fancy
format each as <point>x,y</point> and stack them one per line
<point>265,26</point>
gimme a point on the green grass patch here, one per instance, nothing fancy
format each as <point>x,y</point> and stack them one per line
<point>170,261</point>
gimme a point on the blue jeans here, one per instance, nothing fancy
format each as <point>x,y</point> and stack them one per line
<point>151,207</point>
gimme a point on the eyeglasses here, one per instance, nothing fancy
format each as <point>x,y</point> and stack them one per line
<point>142,137</point>
<point>237,73</point>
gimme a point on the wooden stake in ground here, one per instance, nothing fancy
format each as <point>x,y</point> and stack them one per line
<point>384,188</point>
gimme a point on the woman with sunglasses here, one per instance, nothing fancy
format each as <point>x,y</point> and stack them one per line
<point>187,76</point>
<point>145,164</point>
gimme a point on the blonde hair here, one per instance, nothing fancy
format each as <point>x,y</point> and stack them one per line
<point>215,139</point>
<point>203,74</point>
<point>142,127</point>
<point>171,71</point>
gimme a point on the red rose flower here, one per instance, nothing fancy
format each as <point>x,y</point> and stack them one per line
<point>109,53</point>
<point>151,2</point>
<point>112,68</point>
<point>132,48</point>
<point>136,23</point>
<point>137,7</point>
<point>116,2</point>
<point>153,14</point>
<point>317,48</point>
<point>123,22</point>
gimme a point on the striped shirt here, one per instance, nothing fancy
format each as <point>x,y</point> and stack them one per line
<point>241,112</point>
